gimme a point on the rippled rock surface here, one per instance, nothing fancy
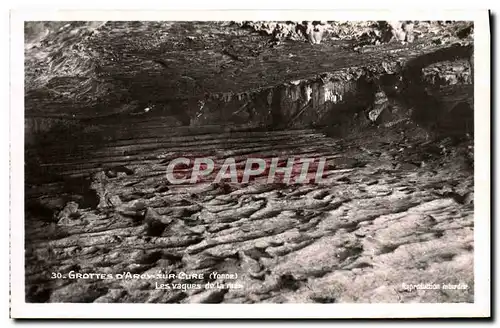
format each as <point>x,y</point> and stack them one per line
<point>390,211</point>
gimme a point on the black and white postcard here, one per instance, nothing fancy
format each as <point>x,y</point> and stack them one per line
<point>293,164</point>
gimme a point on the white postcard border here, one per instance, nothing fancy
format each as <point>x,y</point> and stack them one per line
<point>482,200</point>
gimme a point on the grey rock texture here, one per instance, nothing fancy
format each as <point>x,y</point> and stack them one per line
<point>392,211</point>
<point>393,121</point>
<point>213,71</point>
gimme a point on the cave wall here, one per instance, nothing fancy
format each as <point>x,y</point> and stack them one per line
<point>205,73</point>
<point>293,104</point>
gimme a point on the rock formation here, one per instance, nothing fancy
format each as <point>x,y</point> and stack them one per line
<point>388,104</point>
